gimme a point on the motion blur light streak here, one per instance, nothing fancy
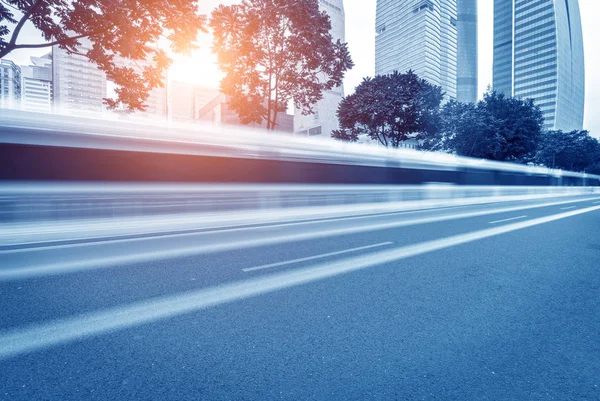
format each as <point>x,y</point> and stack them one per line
<point>72,258</point>
<point>80,149</point>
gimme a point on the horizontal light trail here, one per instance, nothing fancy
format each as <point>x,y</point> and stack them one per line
<point>39,233</point>
<point>230,229</point>
<point>26,340</point>
<point>324,255</point>
<point>62,266</point>
<point>505,220</point>
<point>567,208</point>
<point>228,226</point>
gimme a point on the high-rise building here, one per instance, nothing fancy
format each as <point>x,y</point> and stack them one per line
<point>466,63</point>
<point>418,35</point>
<point>79,86</point>
<point>538,54</point>
<point>156,104</point>
<point>324,120</point>
<point>36,85</point>
<point>10,85</point>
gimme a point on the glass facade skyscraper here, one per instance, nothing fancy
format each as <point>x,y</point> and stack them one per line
<point>538,54</point>
<point>418,35</point>
<point>466,81</point>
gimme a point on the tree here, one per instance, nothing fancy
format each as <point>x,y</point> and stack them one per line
<point>573,151</point>
<point>496,128</point>
<point>390,109</point>
<point>115,28</point>
<point>274,51</point>
<point>463,130</point>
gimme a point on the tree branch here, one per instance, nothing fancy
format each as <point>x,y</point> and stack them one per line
<point>56,42</point>
<point>7,4</point>
<point>21,23</point>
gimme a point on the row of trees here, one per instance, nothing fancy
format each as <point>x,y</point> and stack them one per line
<point>271,51</point>
<point>397,107</point>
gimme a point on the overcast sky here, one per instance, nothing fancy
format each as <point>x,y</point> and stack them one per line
<point>360,28</point>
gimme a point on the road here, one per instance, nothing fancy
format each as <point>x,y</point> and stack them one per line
<point>484,302</point>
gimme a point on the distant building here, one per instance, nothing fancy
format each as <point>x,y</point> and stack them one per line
<point>325,120</point>
<point>156,104</point>
<point>36,85</point>
<point>218,112</point>
<point>466,60</point>
<point>418,35</point>
<point>10,85</point>
<point>186,100</point>
<point>79,86</point>
<point>538,54</point>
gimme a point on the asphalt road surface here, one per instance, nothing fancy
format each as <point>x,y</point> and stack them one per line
<point>487,302</point>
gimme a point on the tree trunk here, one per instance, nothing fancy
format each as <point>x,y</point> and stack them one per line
<point>274,122</point>
<point>269,102</point>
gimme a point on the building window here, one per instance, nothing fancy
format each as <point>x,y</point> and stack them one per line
<point>425,5</point>
<point>314,131</point>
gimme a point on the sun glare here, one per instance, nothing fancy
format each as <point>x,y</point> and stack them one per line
<point>199,68</point>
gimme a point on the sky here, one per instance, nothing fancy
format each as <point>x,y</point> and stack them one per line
<point>360,34</point>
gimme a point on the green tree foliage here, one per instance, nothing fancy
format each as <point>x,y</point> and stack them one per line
<point>496,128</point>
<point>390,109</point>
<point>116,28</point>
<point>274,51</point>
<point>573,151</point>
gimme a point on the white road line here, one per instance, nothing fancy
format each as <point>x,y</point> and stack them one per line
<point>36,337</point>
<point>324,255</point>
<point>511,219</point>
<point>567,208</point>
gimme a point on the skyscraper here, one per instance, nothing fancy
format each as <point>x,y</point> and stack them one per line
<point>324,120</point>
<point>418,35</point>
<point>466,81</point>
<point>79,86</point>
<point>538,54</point>
<point>10,85</point>
<point>36,84</point>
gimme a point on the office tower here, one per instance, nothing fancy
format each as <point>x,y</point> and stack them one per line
<point>156,104</point>
<point>324,120</point>
<point>36,85</point>
<point>538,54</point>
<point>466,63</point>
<point>10,85</point>
<point>418,35</point>
<point>79,86</point>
